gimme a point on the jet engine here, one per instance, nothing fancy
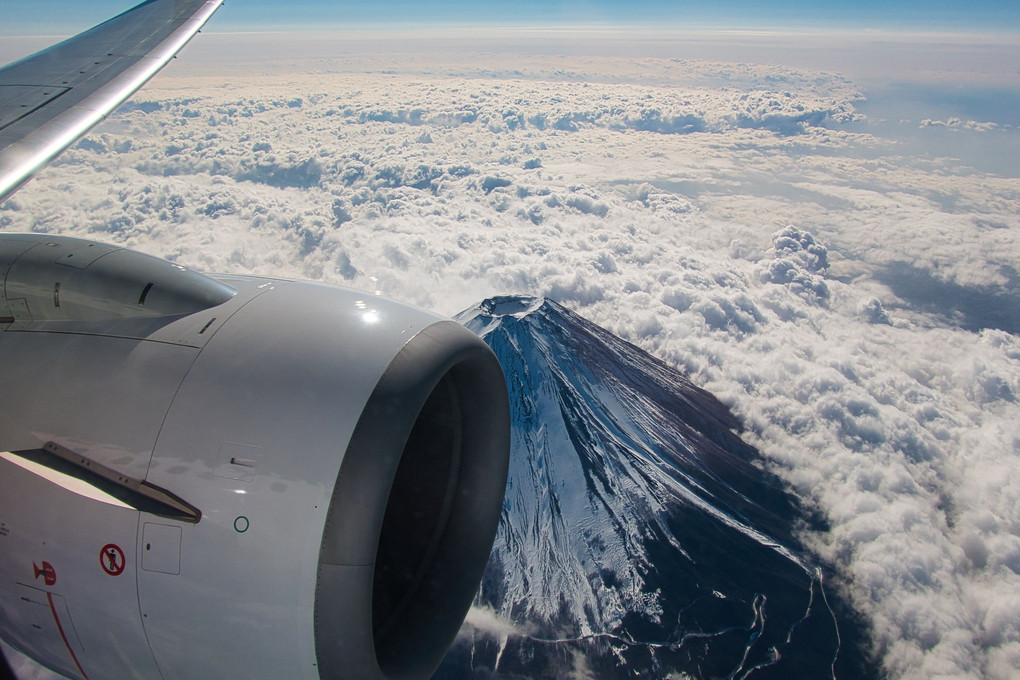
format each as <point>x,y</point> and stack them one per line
<point>235,477</point>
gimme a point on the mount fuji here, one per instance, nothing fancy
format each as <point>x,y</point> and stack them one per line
<point>640,536</point>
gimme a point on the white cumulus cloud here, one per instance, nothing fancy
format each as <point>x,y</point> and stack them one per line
<point>737,230</point>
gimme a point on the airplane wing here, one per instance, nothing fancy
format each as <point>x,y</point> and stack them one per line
<point>50,99</point>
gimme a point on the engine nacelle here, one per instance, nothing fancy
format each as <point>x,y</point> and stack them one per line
<point>235,477</point>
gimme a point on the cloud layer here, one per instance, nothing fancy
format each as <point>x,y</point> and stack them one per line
<point>735,227</point>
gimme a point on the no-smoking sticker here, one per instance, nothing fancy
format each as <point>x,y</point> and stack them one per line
<point>111,559</point>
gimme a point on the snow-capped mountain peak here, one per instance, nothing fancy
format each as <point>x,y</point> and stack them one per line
<point>637,528</point>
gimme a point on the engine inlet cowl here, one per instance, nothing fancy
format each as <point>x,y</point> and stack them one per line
<point>434,436</point>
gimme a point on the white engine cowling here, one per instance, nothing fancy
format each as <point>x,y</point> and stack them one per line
<point>235,477</point>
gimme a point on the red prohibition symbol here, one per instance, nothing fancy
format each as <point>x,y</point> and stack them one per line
<point>111,559</point>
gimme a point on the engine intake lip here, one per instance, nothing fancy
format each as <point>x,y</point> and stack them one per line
<point>414,509</point>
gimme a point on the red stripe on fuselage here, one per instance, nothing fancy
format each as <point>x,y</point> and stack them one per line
<point>60,628</point>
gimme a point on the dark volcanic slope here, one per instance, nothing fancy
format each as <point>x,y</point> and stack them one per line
<point>638,538</point>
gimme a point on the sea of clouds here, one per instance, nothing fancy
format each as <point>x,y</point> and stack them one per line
<point>738,221</point>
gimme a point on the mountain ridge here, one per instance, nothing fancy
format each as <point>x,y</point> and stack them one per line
<point>638,535</point>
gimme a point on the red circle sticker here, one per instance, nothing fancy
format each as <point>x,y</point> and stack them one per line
<point>111,559</point>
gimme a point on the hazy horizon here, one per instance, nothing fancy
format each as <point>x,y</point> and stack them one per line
<point>66,16</point>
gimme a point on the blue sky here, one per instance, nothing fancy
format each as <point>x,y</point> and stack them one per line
<point>62,16</point>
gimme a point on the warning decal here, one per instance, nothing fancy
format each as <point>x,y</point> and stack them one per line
<point>47,571</point>
<point>111,559</point>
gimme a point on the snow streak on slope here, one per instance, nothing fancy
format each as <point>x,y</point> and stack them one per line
<point>637,534</point>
